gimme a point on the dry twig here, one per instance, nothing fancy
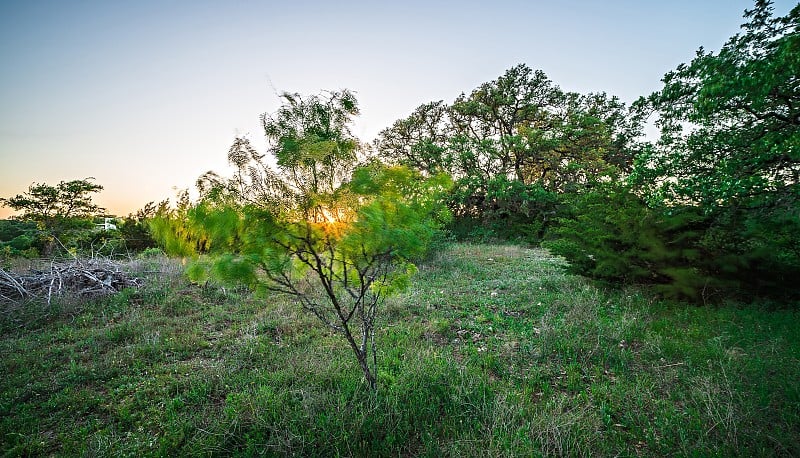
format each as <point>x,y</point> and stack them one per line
<point>94,277</point>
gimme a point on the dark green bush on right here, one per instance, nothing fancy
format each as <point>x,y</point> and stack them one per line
<point>612,235</point>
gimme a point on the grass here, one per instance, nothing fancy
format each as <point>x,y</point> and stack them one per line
<point>494,351</point>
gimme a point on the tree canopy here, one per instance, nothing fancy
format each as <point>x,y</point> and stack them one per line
<point>713,208</point>
<point>335,233</point>
<point>513,145</point>
<point>521,126</point>
<point>67,199</point>
<point>730,121</point>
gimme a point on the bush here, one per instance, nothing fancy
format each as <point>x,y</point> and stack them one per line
<point>18,239</point>
<point>135,231</point>
<point>614,236</point>
<point>756,251</point>
<point>501,208</point>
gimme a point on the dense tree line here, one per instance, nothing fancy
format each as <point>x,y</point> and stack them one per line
<point>708,210</point>
<point>513,145</point>
<point>714,202</point>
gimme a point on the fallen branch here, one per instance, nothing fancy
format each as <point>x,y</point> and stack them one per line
<point>12,285</point>
<point>94,277</point>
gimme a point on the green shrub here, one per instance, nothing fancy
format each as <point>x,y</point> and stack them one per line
<point>757,251</point>
<point>614,236</point>
<point>501,209</point>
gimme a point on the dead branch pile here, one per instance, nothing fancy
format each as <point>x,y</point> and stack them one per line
<point>84,278</point>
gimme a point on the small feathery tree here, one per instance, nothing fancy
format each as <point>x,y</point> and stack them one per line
<point>336,237</point>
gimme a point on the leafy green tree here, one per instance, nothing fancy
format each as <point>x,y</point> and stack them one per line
<point>174,231</point>
<point>712,209</point>
<point>525,127</point>
<point>420,141</point>
<point>488,119</point>
<point>730,121</point>
<point>730,146</point>
<point>586,140</point>
<point>67,199</point>
<point>336,237</point>
<point>516,143</point>
<point>507,209</point>
<point>63,212</point>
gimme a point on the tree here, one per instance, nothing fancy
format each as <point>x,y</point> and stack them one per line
<point>523,127</point>
<point>488,119</point>
<point>712,209</point>
<point>730,146</point>
<point>420,141</point>
<point>336,237</point>
<point>514,145</point>
<point>586,140</point>
<point>45,203</point>
<point>730,121</point>
<point>63,213</point>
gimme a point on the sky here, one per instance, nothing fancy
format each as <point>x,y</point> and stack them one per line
<point>146,96</point>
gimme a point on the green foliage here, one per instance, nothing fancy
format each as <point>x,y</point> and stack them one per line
<point>64,215</point>
<point>337,243</point>
<point>420,141</point>
<point>312,143</point>
<point>507,209</point>
<point>59,235</point>
<point>513,144</point>
<point>614,236</point>
<point>728,152</point>
<point>67,199</point>
<point>18,239</point>
<point>758,250</point>
<point>401,211</point>
<point>520,125</point>
<point>711,210</point>
<point>338,269</point>
<point>174,232</point>
<point>742,109</point>
<point>12,228</point>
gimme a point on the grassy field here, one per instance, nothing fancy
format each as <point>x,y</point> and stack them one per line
<point>494,351</point>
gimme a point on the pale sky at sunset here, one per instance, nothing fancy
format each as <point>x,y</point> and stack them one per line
<point>146,96</point>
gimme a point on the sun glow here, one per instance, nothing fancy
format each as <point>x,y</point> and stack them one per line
<point>328,216</point>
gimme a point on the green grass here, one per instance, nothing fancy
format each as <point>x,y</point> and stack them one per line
<point>494,351</point>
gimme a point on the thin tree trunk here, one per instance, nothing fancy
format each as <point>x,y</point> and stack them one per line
<point>361,356</point>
